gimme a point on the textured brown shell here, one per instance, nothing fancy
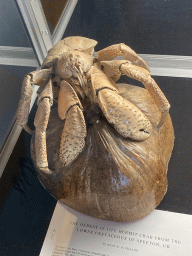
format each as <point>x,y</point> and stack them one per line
<point>113,178</point>
<point>67,44</point>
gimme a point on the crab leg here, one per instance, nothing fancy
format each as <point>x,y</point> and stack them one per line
<point>111,52</point>
<point>143,76</point>
<point>126,118</point>
<point>41,120</point>
<point>74,131</point>
<point>40,78</point>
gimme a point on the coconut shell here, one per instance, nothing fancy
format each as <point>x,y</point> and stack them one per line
<point>114,178</point>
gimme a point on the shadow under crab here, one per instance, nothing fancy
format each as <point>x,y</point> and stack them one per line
<point>113,178</point>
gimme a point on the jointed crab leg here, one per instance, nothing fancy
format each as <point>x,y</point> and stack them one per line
<point>74,132</point>
<point>41,78</point>
<point>24,104</point>
<point>111,52</point>
<point>73,135</point>
<point>40,122</point>
<point>143,76</point>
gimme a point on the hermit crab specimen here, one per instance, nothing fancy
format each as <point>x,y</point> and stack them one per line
<point>103,148</point>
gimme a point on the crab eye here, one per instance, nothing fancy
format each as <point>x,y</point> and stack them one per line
<point>102,67</point>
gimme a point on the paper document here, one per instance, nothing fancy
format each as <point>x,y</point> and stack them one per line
<point>161,233</point>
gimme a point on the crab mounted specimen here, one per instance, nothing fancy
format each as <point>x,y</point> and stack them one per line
<point>83,88</point>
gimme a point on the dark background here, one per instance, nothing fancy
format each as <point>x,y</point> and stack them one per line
<point>147,26</point>
<point>150,27</point>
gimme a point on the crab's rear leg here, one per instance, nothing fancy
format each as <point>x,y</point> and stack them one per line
<point>143,76</point>
<point>45,101</point>
<point>74,131</point>
<point>126,118</point>
<point>111,52</point>
<point>40,78</point>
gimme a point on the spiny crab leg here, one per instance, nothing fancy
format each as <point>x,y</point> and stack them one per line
<point>74,131</point>
<point>143,76</point>
<point>111,52</point>
<point>126,118</point>
<point>45,102</point>
<point>39,77</point>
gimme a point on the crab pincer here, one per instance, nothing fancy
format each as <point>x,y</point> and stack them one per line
<point>143,75</point>
<point>127,119</point>
<point>74,131</point>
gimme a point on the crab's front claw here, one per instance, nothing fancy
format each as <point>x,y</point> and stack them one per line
<point>115,50</point>
<point>127,119</point>
<point>74,131</point>
<point>142,75</point>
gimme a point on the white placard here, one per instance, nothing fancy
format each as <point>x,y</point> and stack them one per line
<point>74,234</point>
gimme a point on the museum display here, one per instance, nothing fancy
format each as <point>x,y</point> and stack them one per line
<point>100,147</point>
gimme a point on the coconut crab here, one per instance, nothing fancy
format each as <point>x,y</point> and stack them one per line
<point>103,148</point>
<point>86,86</point>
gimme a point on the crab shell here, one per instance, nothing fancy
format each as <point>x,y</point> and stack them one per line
<point>78,43</point>
<point>114,178</point>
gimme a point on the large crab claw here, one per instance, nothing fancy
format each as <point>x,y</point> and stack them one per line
<point>115,50</point>
<point>74,132</point>
<point>142,75</point>
<point>126,118</point>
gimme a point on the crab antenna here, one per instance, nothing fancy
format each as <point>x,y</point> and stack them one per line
<point>80,79</point>
<point>80,76</point>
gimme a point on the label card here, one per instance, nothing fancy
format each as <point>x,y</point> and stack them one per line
<point>161,233</point>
